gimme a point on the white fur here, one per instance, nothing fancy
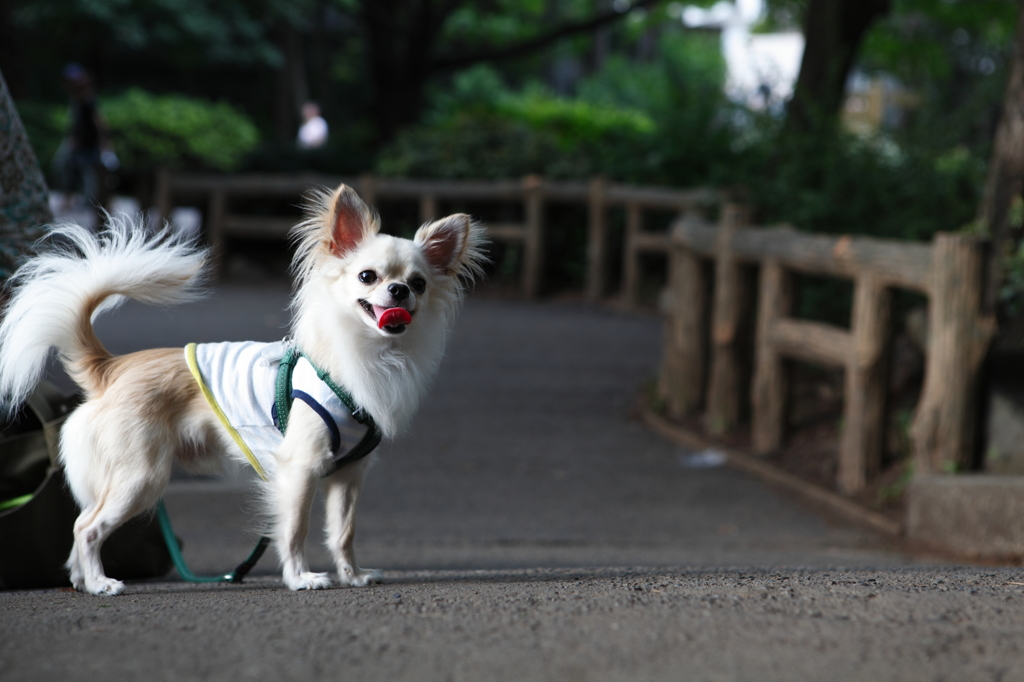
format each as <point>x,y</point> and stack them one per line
<point>144,411</point>
<point>53,288</point>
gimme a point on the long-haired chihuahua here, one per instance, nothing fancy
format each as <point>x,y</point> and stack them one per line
<point>371,318</point>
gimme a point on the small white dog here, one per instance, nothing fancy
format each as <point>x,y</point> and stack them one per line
<point>371,318</point>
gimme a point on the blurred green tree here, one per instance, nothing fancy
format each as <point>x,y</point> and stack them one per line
<point>389,49</point>
<point>1001,211</point>
<point>409,41</point>
<point>833,31</point>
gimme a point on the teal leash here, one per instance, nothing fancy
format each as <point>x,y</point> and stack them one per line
<point>174,548</point>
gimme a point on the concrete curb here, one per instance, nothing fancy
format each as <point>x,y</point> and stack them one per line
<point>830,501</point>
<point>972,515</point>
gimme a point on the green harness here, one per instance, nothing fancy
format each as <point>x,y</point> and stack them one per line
<point>282,410</point>
<point>283,404</point>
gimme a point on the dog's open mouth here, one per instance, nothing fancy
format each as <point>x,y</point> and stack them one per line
<point>391,320</point>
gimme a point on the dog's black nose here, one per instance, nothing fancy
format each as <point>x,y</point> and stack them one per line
<point>399,292</point>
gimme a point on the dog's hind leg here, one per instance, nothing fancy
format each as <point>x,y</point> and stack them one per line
<point>112,481</point>
<point>343,488</point>
<point>92,528</point>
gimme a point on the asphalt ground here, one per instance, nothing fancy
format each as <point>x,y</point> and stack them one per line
<point>528,527</point>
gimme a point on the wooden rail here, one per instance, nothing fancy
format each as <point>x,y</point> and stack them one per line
<point>223,220</point>
<point>708,314</point>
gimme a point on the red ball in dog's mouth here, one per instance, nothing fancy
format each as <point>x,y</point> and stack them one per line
<point>393,317</point>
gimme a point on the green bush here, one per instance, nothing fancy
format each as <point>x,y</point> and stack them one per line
<point>176,131</point>
<point>696,126</point>
<point>477,146</point>
<point>843,184</point>
<point>481,129</point>
<point>574,123</point>
<point>667,122</point>
<point>148,130</point>
<point>839,183</point>
<point>660,122</point>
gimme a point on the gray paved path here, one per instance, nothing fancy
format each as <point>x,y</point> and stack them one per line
<point>525,455</point>
<point>527,528</point>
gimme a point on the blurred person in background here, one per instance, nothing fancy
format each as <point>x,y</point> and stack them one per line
<point>313,132</point>
<point>86,154</point>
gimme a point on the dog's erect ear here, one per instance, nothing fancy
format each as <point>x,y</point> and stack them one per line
<point>444,241</point>
<point>349,221</point>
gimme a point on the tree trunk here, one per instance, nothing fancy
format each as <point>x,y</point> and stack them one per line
<point>400,40</point>
<point>1005,182</point>
<point>292,85</point>
<point>24,207</point>
<point>833,30</point>
<point>320,67</point>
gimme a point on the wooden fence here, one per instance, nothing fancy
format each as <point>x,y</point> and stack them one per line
<point>948,271</point>
<point>225,215</point>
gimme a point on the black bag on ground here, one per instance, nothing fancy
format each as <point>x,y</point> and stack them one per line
<point>37,510</point>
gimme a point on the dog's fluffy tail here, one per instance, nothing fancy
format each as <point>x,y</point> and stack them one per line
<point>55,296</point>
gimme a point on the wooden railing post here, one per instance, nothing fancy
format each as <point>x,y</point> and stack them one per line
<point>958,338</point>
<point>862,440</point>
<point>724,386</point>
<point>596,222</point>
<point>215,210</point>
<point>428,208</point>
<point>770,393</point>
<point>367,189</point>
<point>533,244</point>
<point>631,254</point>
<point>684,365</point>
<point>162,200</point>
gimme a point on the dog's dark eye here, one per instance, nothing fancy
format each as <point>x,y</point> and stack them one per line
<point>367,276</point>
<point>419,285</point>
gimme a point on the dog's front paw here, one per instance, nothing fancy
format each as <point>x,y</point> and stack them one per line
<point>307,580</point>
<point>104,587</point>
<point>360,577</point>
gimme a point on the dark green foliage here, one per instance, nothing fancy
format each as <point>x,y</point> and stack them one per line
<point>186,31</point>
<point>1011,291</point>
<point>46,126</point>
<point>175,131</point>
<point>483,130</point>
<point>664,122</point>
<point>682,92</point>
<point>154,130</point>
<point>479,146</point>
<point>842,184</point>
<point>647,108</point>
